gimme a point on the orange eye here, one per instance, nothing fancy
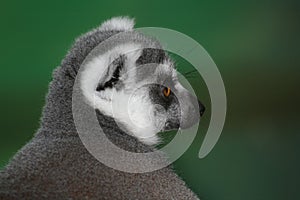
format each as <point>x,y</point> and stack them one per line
<point>167,91</point>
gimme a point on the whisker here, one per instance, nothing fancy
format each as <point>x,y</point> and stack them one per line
<point>192,72</point>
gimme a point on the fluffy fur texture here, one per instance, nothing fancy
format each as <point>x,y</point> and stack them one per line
<point>56,165</point>
<point>118,23</point>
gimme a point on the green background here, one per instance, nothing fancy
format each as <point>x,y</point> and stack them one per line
<point>255,45</point>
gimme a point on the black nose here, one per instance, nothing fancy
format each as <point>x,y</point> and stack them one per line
<point>201,108</point>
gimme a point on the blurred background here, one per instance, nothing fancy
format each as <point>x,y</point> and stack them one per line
<point>255,45</point>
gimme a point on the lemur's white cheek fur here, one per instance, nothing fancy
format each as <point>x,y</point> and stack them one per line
<point>135,110</point>
<point>94,71</point>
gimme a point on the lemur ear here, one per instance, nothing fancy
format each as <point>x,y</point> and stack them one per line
<point>112,70</point>
<point>112,74</point>
<point>121,69</point>
<point>118,23</point>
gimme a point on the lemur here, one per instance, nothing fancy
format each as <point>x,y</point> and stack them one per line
<point>56,165</point>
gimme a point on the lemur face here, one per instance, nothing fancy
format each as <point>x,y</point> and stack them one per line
<point>140,90</point>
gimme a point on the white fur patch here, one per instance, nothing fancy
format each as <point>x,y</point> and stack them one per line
<point>95,71</point>
<point>132,110</point>
<point>135,111</point>
<point>118,23</point>
<point>167,68</point>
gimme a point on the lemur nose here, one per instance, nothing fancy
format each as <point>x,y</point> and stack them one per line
<point>201,108</point>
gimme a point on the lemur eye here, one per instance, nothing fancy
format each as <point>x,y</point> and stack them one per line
<point>167,91</point>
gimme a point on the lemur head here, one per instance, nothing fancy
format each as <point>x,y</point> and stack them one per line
<point>135,82</point>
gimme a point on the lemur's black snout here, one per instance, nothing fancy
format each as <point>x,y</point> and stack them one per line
<point>201,108</point>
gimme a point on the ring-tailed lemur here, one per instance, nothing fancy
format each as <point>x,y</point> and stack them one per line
<point>56,165</point>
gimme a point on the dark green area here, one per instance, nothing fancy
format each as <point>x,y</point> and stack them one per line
<point>255,44</point>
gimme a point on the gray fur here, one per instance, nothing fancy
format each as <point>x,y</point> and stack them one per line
<point>56,165</point>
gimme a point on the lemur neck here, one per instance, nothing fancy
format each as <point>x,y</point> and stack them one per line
<point>119,137</point>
